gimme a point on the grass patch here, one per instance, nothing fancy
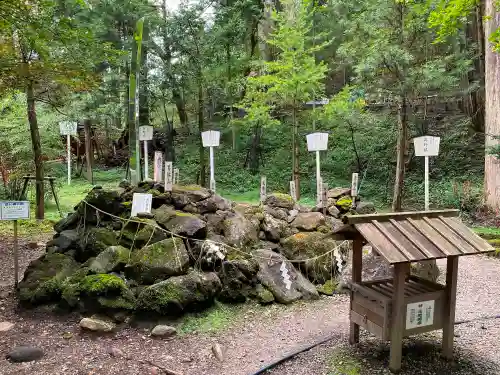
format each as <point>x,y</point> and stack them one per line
<point>217,318</point>
<point>341,362</point>
<point>488,232</point>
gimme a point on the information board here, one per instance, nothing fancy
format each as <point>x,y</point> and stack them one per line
<point>141,202</point>
<point>145,133</point>
<point>420,314</point>
<point>169,177</point>
<point>68,127</point>
<point>14,210</point>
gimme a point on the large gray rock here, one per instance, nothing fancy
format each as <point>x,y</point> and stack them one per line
<point>237,278</point>
<point>183,195</point>
<point>338,192</point>
<point>427,270</point>
<point>270,275</point>
<point>94,241</point>
<point>274,228</point>
<point>308,221</point>
<point>315,251</point>
<point>180,293</point>
<point>374,267</point>
<point>25,354</point>
<point>182,223</point>
<point>69,222</point>
<point>213,204</point>
<point>239,231</point>
<point>163,331</point>
<point>99,202</point>
<point>279,200</point>
<point>159,261</point>
<point>114,258</point>
<point>67,239</point>
<point>363,208</point>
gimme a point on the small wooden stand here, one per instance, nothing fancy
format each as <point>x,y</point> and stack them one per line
<point>406,305</point>
<point>51,180</point>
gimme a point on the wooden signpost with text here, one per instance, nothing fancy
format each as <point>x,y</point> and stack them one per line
<point>14,211</point>
<point>68,128</point>
<point>406,305</point>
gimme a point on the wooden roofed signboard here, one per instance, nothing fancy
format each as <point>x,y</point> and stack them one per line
<point>416,236</point>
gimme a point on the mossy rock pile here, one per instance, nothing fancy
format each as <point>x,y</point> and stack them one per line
<point>194,247</point>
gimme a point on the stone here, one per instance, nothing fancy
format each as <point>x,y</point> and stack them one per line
<point>25,354</point>
<point>328,288</point>
<point>158,261</point>
<point>163,331</point>
<point>274,228</point>
<point>180,293</point>
<point>302,208</point>
<point>239,231</point>
<point>374,267</point>
<point>182,195</point>
<point>237,278</point>
<point>333,223</point>
<point>292,215</point>
<point>213,204</point>
<point>334,211</point>
<point>113,259</point>
<point>279,200</point>
<point>363,208</point>
<point>6,326</point>
<point>65,240</point>
<point>69,222</point>
<point>270,276</point>
<point>181,223</point>
<point>263,295</point>
<point>308,221</point>
<point>42,281</point>
<point>94,241</point>
<point>314,250</point>
<point>97,325</point>
<point>338,192</point>
<point>427,270</point>
<point>97,203</point>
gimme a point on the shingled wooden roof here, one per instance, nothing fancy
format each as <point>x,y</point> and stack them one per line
<point>416,236</point>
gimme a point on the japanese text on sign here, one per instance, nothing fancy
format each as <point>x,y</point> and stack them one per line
<point>263,188</point>
<point>145,133</point>
<point>158,168</point>
<point>168,176</point>
<point>68,127</point>
<point>14,210</point>
<point>420,314</point>
<point>141,203</point>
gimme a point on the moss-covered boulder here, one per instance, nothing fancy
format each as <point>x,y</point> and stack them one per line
<point>308,221</point>
<point>270,275</point>
<point>113,259</point>
<point>338,192</point>
<point>69,222</point>
<point>180,293</point>
<point>314,250</point>
<point>274,228</point>
<point>213,204</point>
<point>237,278</point>
<point>280,200</point>
<point>263,295</point>
<point>43,280</point>
<point>328,288</point>
<point>66,240</point>
<point>179,222</point>
<point>141,232</point>
<point>363,208</point>
<point>158,261</point>
<point>94,241</point>
<point>344,204</point>
<point>99,202</point>
<point>183,195</point>
<point>239,231</point>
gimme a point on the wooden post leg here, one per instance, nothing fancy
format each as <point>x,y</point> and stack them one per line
<point>401,270</point>
<point>25,187</point>
<point>357,268</point>
<point>55,197</point>
<point>451,299</point>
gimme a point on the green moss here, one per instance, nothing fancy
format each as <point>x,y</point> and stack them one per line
<point>494,242</point>
<point>154,192</point>
<point>264,296</point>
<point>327,288</point>
<point>324,229</point>
<point>342,362</point>
<point>102,284</point>
<point>282,196</point>
<point>192,187</point>
<point>127,204</point>
<point>345,203</point>
<point>159,296</point>
<point>184,214</point>
<point>116,303</point>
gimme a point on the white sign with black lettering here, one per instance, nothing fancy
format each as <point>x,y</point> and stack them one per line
<point>212,185</point>
<point>293,192</point>
<point>354,185</point>
<point>420,314</point>
<point>145,133</point>
<point>263,188</point>
<point>68,127</point>
<point>169,176</point>
<point>158,171</point>
<point>14,210</point>
<point>141,203</point>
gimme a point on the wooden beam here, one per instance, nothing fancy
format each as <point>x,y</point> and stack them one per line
<point>358,219</point>
<point>401,270</point>
<point>357,268</point>
<point>450,305</point>
<point>89,155</point>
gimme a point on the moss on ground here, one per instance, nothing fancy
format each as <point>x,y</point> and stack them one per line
<point>102,284</point>
<point>215,319</point>
<point>341,362</point>
<point>345,203</point>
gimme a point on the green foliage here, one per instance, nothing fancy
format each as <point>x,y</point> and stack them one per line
<point>214,319</point>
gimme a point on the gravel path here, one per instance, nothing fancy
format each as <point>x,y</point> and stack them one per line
<point>256,339</point>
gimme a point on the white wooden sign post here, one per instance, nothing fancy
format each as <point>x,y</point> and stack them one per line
<point>293,191</point>
<point>211,138</point>
<point>169,178</point>
<point>141,203</point>
<point>354,188</point>
<point>158,170</point>
<point>145,135</point>
<point>68,128</point>
<point>426,146</point>
<point>317,142</point>
<point>263,188</point>
<point>14,211</point>
<point>176,176</point>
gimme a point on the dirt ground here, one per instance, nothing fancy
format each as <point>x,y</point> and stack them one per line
<point>255,340</point>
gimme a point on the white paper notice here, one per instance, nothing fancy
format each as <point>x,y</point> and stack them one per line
<point>14,210</point>
<point>263,188</point>
<point>158,171</point>
<point>145,133</point>
<point>420,314</point>
<point>354,185</point>
<point>141,203</point>
<point>168,176</point>
<point>176,176</point>
<point>293,192</point>
<point>68,127</point>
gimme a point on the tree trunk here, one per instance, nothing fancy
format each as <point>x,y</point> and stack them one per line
<point>89,154</point>
<point>132,136</point>
<point>397,199</point>
<point>201,126</point>
<point>37,152</point>
<point>296,153</point>
<point>492,110</point>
